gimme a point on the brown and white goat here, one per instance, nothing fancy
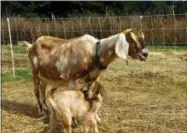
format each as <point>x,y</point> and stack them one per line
<point>65,105</point>
<point>58,62</point>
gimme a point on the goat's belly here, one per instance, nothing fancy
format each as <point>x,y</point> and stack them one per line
<point>55,83</point>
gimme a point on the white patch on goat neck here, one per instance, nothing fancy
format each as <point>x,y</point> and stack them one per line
<point>91,41</point>
<point>88,37</point>
<point>35,62</point>
<point>62,63</point>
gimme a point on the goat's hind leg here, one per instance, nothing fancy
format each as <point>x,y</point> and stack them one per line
<point>36,82</point>
<point>42,89</point>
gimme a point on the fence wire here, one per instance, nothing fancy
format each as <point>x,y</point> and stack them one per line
<point>170,29</point>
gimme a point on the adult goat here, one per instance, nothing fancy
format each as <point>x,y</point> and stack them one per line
<point>58,62</point>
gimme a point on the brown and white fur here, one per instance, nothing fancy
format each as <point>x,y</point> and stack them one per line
<point>69,104</point>
<point>58,62</point>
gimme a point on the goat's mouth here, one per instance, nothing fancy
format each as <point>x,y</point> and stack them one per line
<point>142,57</point>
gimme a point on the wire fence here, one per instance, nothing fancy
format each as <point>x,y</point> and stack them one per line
<point>170,29</point>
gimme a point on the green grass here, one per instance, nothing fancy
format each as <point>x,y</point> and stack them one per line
<point>156,48</point>
<point>16,48</point>
<point>160,48</point>
<point>20,74</point>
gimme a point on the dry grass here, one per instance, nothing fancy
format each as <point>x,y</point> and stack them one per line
<point>147,97</point>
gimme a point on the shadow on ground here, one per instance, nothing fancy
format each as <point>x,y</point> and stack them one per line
<point>21,108</point>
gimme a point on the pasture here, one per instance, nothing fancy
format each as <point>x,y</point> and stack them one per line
<point>142,97</point>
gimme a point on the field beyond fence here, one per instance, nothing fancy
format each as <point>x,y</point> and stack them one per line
<point>159,29</point>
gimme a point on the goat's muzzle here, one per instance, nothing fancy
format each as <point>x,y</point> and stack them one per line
<point>143,55</point>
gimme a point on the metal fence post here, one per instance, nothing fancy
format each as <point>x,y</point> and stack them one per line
<point>12,53</point>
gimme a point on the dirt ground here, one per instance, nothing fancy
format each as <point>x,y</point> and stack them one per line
<point>142,97</point>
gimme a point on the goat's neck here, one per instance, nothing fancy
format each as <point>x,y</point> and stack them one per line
<point>107,49</point>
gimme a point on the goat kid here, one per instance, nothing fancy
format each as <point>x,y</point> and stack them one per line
<point>69,104</point>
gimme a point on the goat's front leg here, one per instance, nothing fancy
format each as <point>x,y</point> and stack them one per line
<point>53,122</point>
<point>47,92</point>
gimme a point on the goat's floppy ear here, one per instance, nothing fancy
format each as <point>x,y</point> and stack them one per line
<point>122,46</point>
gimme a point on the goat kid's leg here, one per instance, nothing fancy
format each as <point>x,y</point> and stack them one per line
<point>94,123</point>
<point>87,122</point>
<point>90,120</point>
<point>66,122</point>
<point>97,118</point>
<point>98,106</point>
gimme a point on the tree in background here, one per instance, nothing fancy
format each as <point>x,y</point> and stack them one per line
<point>84,8</point>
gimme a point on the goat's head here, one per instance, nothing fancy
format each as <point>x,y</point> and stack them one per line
<point>131,43</point>
<point>93,89</point>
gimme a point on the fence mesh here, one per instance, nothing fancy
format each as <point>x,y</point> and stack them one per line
<point>170,29</point>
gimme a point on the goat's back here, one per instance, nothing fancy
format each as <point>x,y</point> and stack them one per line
<point>58,59</point>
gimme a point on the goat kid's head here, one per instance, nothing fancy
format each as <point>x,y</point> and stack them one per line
<point>93,89</point>
<point>131,43</point>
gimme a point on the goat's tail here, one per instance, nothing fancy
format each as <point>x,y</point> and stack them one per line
<point>25,43</point>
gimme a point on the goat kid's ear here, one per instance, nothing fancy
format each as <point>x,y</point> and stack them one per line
<point>122,47</point>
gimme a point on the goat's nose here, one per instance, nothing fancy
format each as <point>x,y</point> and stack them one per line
<point>145,54</point>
